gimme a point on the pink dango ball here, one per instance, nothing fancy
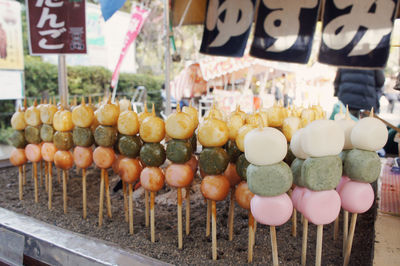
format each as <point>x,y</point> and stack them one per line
<point>357,197</point>
<point>297,196</point>
<point>320,207</point>
<point>273,211</point>
<point>343,181</point>
<point>33,153</point>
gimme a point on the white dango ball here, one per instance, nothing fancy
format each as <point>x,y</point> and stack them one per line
<point>347,126</point>
<point>295,145</point>
<point>322,138</point>
<point>265,146</point>
<point>369,134</point>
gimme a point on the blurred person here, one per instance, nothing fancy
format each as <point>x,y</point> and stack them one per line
<point>359,88</point>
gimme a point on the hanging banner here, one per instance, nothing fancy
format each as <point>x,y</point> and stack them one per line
<point>11,50</point>
<point>138,17</point>
<point>109,7</point>
<point>285,29</point>
<point>56,27</point>
<point>357,33</point>
<point>227,27</point>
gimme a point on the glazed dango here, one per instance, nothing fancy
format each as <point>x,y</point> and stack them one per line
<point>152,129</point>
<point>18,120</point>
<point>82,115</point>
<point>107,114</point>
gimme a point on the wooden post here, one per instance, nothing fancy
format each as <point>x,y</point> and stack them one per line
<point>125,201</point>
<point>318,255</point>
<point>350,239</point>
<point>152,222</point>
<point>65,190</point>
<point>214,229</point>
<point>35,179</point>
<point>231,214</point>
<point>50,185</point>
<point>20,183</point>
<point>304,243</point>
<point>84,193</point>
<point>187,216</point>
<point>208,218</point>
<point>180,237</point>
<point>130,209</point>
<point>101,198</point>
<point>146,206</point>
<point>109,213</point>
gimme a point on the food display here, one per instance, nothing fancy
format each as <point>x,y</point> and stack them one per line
<point>180,127</point>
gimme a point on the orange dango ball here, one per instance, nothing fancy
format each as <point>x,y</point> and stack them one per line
<point>129,170</point>
<point>179,175</point>
<point>63,159</point>
<point>215,187</point>
<point>33,152</point>
<point>152,179</point>
<point>83,157</point>
<point>103,157</point>
<point>18,157</point>
<point>193,163</point>
<point>243,195</point>
<point>48,151</point>
<point>232,175</point>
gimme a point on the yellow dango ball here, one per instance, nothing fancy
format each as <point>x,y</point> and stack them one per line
<point>152,128</point>
<point>128,122</point>
<point>47,113</point>
<point>241,134</point>
<point>307,116</point>
<point>290,125</point>
<point>213,132</point>
<point>82,115</point>
<point>192,112</point>
<point>143,115</point>
<point>253,119</point>
<point>215,112</point>
<point>275,116</point>
<point>62,120</point>
<point>179,125</point>
<point>319,112</point>
<point>32,115</point>
<point>264,117</point>
<point>18,120</point>
<point>235,121</point>
<point>107,114</point>
<point>124,105</point>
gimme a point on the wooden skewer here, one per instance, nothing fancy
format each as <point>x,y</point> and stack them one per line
<point>46,176</point>
<point>251,234</point>
<point>350,239</point>
<point>50,185</point>
<point>253,239</point>
<point>20,183</point>
<point>109,213</point>
<point>345,229</point>
<point>208,218</point>
<point>101,198</point>
<point>65,190</point>
<point>41,173</point>
<point>130,209</point>
<point>152,222</point>
<point>84,193</point>
<point>294,223</point>
<point>146,208</point>
<point>180,237</point>
<point>318,255</point>
<point>58,176</point>
<point>125,201</point>
<point>187,216</point>
<point>304,243</point>
<point>214,229</point>
<point>274,246</point>
<point>24,173</point>
<point>35,179</point>
<point>336,229</point>
<point>231,214</point>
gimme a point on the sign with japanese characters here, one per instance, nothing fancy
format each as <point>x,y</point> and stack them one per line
<point>227,27</point>
<point>11,50</point>
<point>285,29</point>
<point>56,26</point>
<point>357,32</point>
